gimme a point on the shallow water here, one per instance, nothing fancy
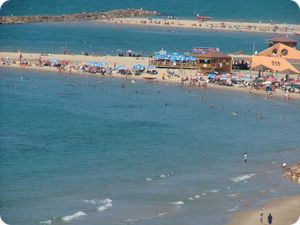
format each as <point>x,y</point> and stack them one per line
<point>112,39</point>
<point>284,11</point>
<point>79,151</point>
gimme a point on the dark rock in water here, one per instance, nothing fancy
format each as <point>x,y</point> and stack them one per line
<point>118,13</point>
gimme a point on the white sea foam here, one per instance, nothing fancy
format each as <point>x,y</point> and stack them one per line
<point>162,176</point>
<point>73,216</point>
<point>99,201</point>
<point>148,179</point>
<point>242,178</point>
<point>204,194</point>
<point>233,209</point>
<point>46,222</point>
<point>102,204</point>
<point>197,196</point>
<point>232,195</point>
<point>214,191</point>
<point>191,198</point>
<point>104,207</point>
<point>178,203</point>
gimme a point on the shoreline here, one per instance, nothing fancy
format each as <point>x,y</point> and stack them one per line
<point>285,211</point>
<point>128,62</point>
<point>232,26</point>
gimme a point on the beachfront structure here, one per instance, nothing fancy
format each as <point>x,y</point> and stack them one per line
<point>211,59</point>
<point>279,58</point>
<point>283,40</point>
<point>204,59</point>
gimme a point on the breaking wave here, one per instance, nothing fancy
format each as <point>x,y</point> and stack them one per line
<point>242,178</point>
<point>73,216</point>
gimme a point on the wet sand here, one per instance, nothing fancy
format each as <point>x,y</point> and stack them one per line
<point>285,211</point>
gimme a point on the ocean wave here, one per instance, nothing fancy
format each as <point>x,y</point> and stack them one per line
<point>214,191</point>
<point>158,177</point>
<point>102,204</point>
<point>242,178</point>
<point>104,207</point>
<point>73,216</point>
<point>178,203</point>
<point>233,209</point>
<point>98,201</point>
<point>232,195</point>
<point>46,222</point>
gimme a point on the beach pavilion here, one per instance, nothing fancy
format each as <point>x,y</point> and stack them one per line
<point>204,59</point>
<point>278,58</point>
<point>212,59</point>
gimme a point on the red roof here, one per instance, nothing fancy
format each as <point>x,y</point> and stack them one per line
<point>282,40</point>
<point>211,53</point>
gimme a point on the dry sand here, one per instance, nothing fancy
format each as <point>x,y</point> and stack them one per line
<point>285,211</point>
<point>209,25</point>
<point>128,62</point>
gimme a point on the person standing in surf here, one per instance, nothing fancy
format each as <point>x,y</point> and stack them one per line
<point>245,157</point>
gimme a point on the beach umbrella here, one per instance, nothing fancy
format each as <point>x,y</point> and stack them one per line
<point>229,75</point>
<point>211,76</point>
<point>271,79</point>
<point>223,77</point>
<point>191,58</point>
<point>151,68</point>
<point>53,61</point>
<point>297,222</point>
<point>120,67</point>
<point>138,67</point>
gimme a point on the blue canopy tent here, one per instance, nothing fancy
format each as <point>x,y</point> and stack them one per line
<point>211,76</point>
<point>101,64</point>
<point>53,62</point>
<point>120,67</point>
<point>191,58</point>
<point>138,67</point>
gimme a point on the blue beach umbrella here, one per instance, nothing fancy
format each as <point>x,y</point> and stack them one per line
<point>120,67</point>
<point>211,76</point>
<point>191,58</point>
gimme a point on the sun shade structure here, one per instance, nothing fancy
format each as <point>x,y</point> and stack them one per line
<point>204,59</point>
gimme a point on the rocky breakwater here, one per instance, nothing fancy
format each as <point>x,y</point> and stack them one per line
<point>293,172</point>
<point>77,17</point>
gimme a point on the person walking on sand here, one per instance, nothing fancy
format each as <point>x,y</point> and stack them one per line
<point>245,157</point>
<point>261,220</point>
<point>270,218</point>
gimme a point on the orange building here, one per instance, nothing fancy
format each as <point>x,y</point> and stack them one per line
<point>278,58</point>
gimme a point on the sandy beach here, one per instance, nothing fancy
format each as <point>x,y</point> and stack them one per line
<point>127,62</point>
<point>285,211</point>
<point>289,29</point>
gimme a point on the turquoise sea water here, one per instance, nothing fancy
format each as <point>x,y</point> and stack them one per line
<point>111,39</point>
<point>255,10</point>
<point>75,150</point>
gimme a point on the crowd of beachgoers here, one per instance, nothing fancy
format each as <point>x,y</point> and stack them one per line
<point>211,25</point>
<point>266,82</point>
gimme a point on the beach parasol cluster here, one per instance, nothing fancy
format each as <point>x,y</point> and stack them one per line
<point>174,57</point>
